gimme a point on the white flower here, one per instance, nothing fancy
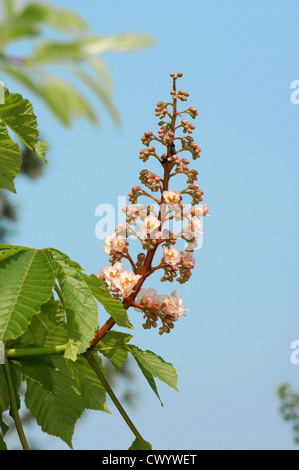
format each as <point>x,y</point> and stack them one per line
<point>148,298</point>
<point>191,246</point>
<point>149,225</point>
<point>202,211</point>
<point>190,232</point>
<point>173,305</point>
<point>130,210</point>
<point>115,242</point>
<point>195,222</point>
<point>111,273</point>
<point>171,255</point>
<point>172,199</point>
<point>122,230</point>
<point>125,282</point>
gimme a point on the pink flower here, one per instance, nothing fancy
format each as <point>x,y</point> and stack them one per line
<point>111,273</point>
<point>171,255</point>
<point>148,298</point>
<point>125,282</point>
<point>187,260</point>
<point>149,225</point>
<point>173,305</point>
<point>172,199</point>
<point>115,242</point>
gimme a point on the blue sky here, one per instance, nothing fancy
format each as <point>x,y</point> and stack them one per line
<point>233,349</point>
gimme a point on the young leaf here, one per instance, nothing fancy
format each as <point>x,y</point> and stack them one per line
<point>26,282</point>
<point>17,114</point>
<point>152,366</point>
<point>114,307</point>
<point>112,347</point>
<point>136,445</point>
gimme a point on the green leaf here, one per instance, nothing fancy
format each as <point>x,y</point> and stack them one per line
<point>136,445</point>
<point>112,347</point>
<point>91,389</point>
<point>17,113</point>
<point>57,51</point>
<point>56,336</point>
<point>152,366</point>
<point>120,42</point>
<point>3,426</point>
<point>45,14</point>
<point>8,250</point>
<point>80,307</point>
<point>101,94</point>
<point>115,308</point>
<point>36,369</point>
<point>66,101</point>
<point>4,393</point>
<point>2,443</point>
<point>10,7</point>
<point>88,46</point>
<point>50,316</point>
<point>10,159</point>
<point>56,411</point>
<point>26,282</point>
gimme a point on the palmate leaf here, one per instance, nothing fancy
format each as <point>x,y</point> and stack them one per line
<point>17,114</point>
<point>26,282</point>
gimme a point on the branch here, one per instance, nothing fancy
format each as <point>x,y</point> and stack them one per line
<point>13,404</point>
<point>91,360</point>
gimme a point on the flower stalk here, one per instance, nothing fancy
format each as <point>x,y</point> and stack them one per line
<point>154,231</point>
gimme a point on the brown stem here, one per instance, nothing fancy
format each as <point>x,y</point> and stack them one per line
<point>101,332</point>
